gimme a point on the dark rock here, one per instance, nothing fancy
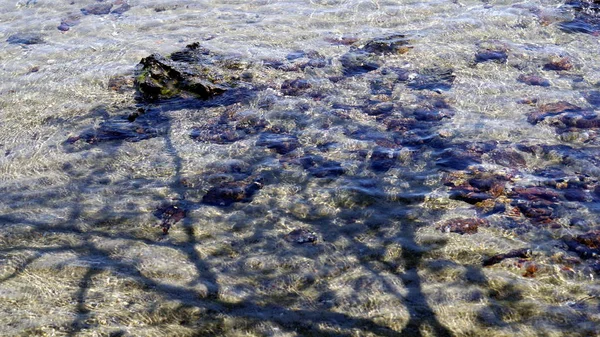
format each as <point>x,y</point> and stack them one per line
<point>378,108</point>
<point>391,44</point>
<point>508,158</point>
<point>593,97</point>
<point>587,19</point>
<point>434,79</point>
<point>432,114</point>
<point>470,197</point>
<point>484,55</point>
<point>586,245</point>
<point>535,194</point>
<point>344,40</point>
<point>558,64</point>
<point>462,226</point>
<point>231,192</point>
<point>25,38</point>
<point>321,168</point>
<point>163,78</point>
<point>281,143</point>
<point>294,87</point>
<point>524,253</point>
<point>357,63</point>
<point>121,129</point>
<point>532,79</point>
<point>457,159</point>
<point>551,109</point>
<point>97,9</point>
<point>382,159</point>
<point>170,215</point>
<point>120,10</point>
<point>574,194</point>
<point>68,22</point>
<point>301,235</point>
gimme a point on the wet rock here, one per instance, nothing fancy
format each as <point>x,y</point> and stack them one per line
<point>229,193</point>
<point>485,55</point>
<point>383,159</point>
<point>551,109</point>
<point>470,197</point>
<point>97,9</point>
<point>357,63</point>
<point>230,127</point>
<point>462,226</point>
<point>321,168</point>
<point>162,78</point>
<point>524,253</point>
<point>433,114</point>
<point>120,83</point>
<point>170,215</point>
<point>301,235</point>
<point>68,22</point>
<point>535,193</point>
<point>585,245</point>
<point>587,18</point>
<point>575,194</point>
<point>558,63</point>
<point>593,97</point>
<point>532,79</point>
<point>121,129</point>
<point>375,108</point>
<point>343,40</point>
<point>120,10</point>
<point>434,79</point>
<point>391,44</point>
<point>280,143</point>
<point>457,159</point>
<point>25,39</point>
<point>294,87</point>
<point>508,158</point>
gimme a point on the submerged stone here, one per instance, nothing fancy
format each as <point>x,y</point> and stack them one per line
<point>358,62</point>
<point>524,253</point>
<point>121,129</point>
<point>120,10</point>
<point>301,235</point>
<point>97,9</point>
<point>280,143</point>
<point>462,226</point>
<point>229,193</point>
<point>391,44</point>
<point>532,79</point>
<point>169,215</point>
<point>587,17</point>
<point>294,87</point>
<point>434,79</point>
<point>558,64</point>
<point>25,38</point>
<point>585,245</point>
<point>484,55</point>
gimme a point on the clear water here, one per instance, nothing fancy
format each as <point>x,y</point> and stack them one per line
<point>80,249</point>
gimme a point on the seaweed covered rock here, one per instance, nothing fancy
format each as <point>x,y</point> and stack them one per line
<point>194,71</point>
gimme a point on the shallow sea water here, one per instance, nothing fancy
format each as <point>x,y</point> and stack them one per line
<point>377,164</point>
